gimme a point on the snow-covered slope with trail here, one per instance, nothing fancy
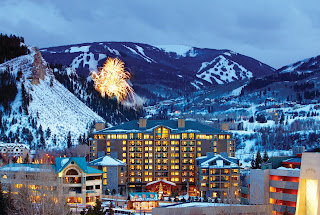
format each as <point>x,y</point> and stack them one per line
<point>176,69</point>
<point>222,70</point>
<point>51,105</point>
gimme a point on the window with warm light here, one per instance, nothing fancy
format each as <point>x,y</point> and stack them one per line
<point>104,169</point>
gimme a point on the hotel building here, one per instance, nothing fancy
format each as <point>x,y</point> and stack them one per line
<point>277,183</point>
<point>160,149</point>
<point>69,177</point>
<point>219,176</point>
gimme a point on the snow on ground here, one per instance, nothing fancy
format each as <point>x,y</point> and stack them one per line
<point>79,49</point>
<point>237,91</point>
<point>53,106</point>
<point>181,50</point>
<point>224,70</point>
<point>87,59</point>
<point>59,109</point>
<point>141,54</point>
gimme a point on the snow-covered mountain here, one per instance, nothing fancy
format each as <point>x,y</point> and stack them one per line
<point>162,71</point>
<point>51,110</point>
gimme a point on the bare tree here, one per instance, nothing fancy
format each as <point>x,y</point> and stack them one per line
<point>37,191</point>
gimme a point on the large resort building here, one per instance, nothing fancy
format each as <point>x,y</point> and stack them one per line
<point>160,149</point>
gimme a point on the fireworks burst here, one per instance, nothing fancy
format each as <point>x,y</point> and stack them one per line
<point>111,80</point>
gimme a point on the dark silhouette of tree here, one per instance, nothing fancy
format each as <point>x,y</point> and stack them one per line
<point>258,161</point>
<point>69,140</point>
<point>265,157</point>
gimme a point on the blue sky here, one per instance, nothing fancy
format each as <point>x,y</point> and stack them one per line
<point>274,32</point>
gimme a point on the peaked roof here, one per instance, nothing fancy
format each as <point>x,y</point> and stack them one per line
<point>106,161</point>
<point>61,163</point>
<point>133,127</point>
<point>206,160</point>
<point>159,181</point>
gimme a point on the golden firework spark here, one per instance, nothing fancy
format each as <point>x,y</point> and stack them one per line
<point>111,80</point>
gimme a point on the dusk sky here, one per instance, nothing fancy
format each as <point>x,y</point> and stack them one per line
<point>274,32</point>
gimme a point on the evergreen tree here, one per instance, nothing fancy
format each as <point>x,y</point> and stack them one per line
<point>54,139</point>
<point>69,141</point>
<point>265,157</point>
<point>42,142</point>
<point>48,132</point>
<point>110,211</point>
<point>253,163</point>
<point>26,159</point>
<point>97,210</point>
<point>258,160</point>
<point>25,99</point>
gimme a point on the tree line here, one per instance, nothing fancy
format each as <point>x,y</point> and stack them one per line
<point>10,47</point>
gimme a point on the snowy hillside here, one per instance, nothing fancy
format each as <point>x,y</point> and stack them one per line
<point>222,70</point>
<point>162,71</point>
<point>50,105</point>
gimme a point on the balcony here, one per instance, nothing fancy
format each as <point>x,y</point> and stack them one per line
<point>284,184</point>
<point>284,196</point>
<point>281,208</point>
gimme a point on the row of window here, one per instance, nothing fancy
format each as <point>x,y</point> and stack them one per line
<point>163,133</point>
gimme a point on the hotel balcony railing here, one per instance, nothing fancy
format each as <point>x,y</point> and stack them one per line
<point>284,196</point>
<point>284,184</point>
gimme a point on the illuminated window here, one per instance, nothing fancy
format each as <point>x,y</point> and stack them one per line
<point>198,154</point>
<point>191,136</point>
<point>108,136</point>
<point>104,181</point>
<point>124,142</point>
<point>213,185</point>
<point>184,136</point>
<point>113,136</point>
<point>104,169</point>
<point>139,136</point>
<point>203,184</point>
<point>104,175</point>
<point>221,137</point>
<point>228,136</point>
<point>124,154</point>
<point>124,160</point>
<point>198,148</point>
<point>124,148</point>
<point>108,149</point>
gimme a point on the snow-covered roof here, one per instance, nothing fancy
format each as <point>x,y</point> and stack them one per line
<point>285,168</point>
<point>107,161</point>
<point>19,167</point>
<point>164,181</point>
<point>218,161</point>
<point>13,145</point>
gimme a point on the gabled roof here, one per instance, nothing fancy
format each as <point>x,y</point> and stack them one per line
<point>106,161</point>
<point>159,181</point>
<point>205,162</point>
<point>61,163</point>
<point>133,127</point>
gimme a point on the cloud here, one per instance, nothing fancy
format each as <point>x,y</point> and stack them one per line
<point>275,32</point>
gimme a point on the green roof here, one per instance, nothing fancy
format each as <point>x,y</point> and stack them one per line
<point>61,163</point>
<point>133,127</point>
